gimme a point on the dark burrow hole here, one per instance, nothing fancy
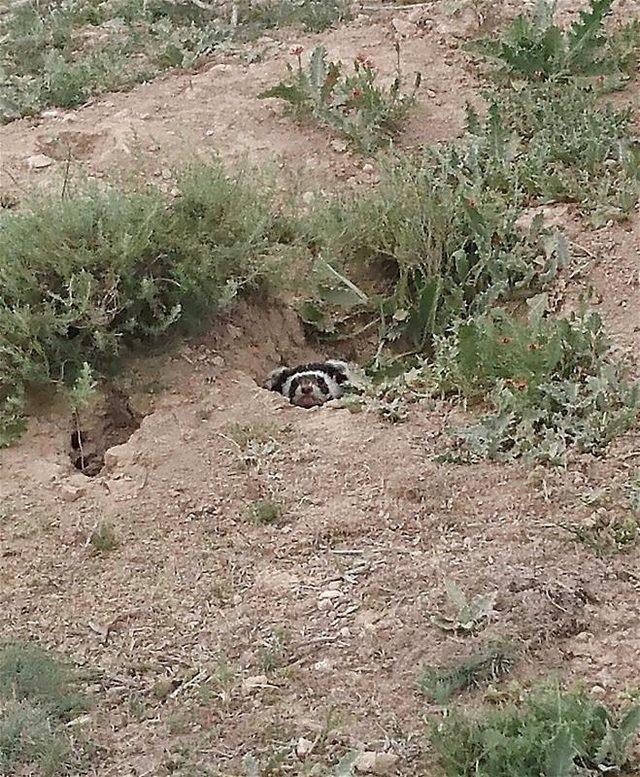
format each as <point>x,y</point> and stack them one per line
<point>111,423</point>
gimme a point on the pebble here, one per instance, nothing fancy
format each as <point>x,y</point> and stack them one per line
<point>370,762</point>
<point>303,747</point>
<point>39,162</point>
<point>71,493</point>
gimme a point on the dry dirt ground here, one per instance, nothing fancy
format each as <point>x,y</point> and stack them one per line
<point>212,638</point>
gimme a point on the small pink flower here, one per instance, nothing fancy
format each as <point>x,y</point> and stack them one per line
<point>356,94</point>
<point>296,51</point>
<point>363,59</point>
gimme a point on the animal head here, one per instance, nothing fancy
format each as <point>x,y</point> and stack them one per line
<point>310,385</point>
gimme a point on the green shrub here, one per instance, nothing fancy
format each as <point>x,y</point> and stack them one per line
<point>353,105</point>
<point>265,512</point>
<point>38,695</point>
<point>557,144</point>
<point>553,383</point>
<point>435,242</point>
<point>85,277</point>
<point>551,734</point>
<point>535,48</point>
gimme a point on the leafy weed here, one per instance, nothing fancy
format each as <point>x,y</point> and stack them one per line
<point>352,105</point>
<point>551,734</point>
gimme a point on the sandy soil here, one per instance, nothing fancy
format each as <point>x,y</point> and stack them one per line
<point>213,638</point>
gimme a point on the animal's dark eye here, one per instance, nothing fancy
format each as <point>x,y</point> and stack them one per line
<point>322,385</point>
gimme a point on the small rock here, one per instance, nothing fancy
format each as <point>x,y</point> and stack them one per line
<point>330,593</point>
<point>166,174</point>
<point>404,27</point>
<point>209,133</point>
<point>339,145</point>
<point>308,197</point>
<point>251,683</point>
<point>71,493</point>
<point>368,168</point>
<point>303,747</point>
<point>39,162</point>
<point>375,763</point>
<point>597,690</point>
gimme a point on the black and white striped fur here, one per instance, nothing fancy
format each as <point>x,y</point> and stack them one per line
<point>310,385</point>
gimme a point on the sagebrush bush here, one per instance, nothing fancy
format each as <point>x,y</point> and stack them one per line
<point>83,278</point>
<point>551,734</point>
<point>38,695</point>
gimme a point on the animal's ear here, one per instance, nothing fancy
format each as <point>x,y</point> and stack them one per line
<point>341,370</point>
<point>275,379</point>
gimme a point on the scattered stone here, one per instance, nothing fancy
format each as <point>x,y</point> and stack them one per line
<point>404,27</point>
<point>339,145</point>
<point>370,762</point>
<point>308,197</point>
<point>209,132</point>
<point>330,593</point>
<point>303,747</point>
<point>597,690</point>
<point>71,493</point>
<point>251,683</point>
<point>39,162</point>
<point>368,168</point>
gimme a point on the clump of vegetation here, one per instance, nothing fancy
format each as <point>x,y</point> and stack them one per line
<point>85,277</point>
<point>551,733</point>
<point>352,105</point>
<point>554,143</point>
<point>553,383</point>
<point>103,538</point>
<point>265,512</point>
<point>470,614</point>
<point>477,670</point>
<point>38,696</point>
<point>535,48</point>
<point>607,534</point>
<point>438,241</point>
<point>63,53</point>
<point>614,526</point>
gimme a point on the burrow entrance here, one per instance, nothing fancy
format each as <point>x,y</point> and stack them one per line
<point>94,432</point>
